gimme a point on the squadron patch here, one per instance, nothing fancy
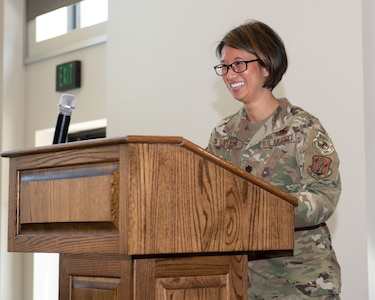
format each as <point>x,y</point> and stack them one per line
<point>323,144</point>
<point>320,167</point>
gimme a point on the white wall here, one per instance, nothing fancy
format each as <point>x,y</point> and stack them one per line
<point>157,68</point>
<point>369,92</point>
<point>161,81</point>
<point>11,135</point>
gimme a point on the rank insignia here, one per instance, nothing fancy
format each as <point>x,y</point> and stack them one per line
<point>282,132</point>
<point>320,167</point>
<point>323,144</point>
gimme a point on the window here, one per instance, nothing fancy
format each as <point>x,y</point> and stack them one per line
<point>71,27</point>
<point>63,20</point>
<point>45,31</point>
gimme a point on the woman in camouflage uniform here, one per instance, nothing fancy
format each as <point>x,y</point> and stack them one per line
<point>287,147</point>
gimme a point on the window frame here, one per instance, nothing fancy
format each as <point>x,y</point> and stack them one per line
<point>71,41</point>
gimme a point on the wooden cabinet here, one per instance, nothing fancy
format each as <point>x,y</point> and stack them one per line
<point>98,276</point>
<point>144,217</point>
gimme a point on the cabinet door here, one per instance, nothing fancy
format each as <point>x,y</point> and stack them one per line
<point>95,277</point>
<point>198,278</point>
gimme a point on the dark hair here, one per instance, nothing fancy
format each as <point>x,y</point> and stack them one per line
<point>261,40</point>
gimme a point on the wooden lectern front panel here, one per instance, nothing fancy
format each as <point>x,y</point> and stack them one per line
<point>141,196</point>
<point>65,202</point>
<point>69,194</point>
<point>183,203</point>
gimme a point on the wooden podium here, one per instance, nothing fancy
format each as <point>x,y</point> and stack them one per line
<point>144,217</point>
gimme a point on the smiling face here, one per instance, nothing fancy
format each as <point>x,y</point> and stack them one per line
<point>246,86</point>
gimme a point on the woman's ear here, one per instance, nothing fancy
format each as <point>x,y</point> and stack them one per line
<point>265,72</point>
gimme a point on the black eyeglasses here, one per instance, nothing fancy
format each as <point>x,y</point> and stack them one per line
<point>238,67</point>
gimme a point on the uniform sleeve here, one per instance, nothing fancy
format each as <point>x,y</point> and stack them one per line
<point>320,185</point>
<point>211,142</point>
<point>216,148</point>
<point>218,134</point>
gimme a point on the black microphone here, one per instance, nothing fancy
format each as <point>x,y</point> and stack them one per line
<point>66,106</point>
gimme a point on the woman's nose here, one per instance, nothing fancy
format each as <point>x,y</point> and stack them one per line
<point>230,73</point>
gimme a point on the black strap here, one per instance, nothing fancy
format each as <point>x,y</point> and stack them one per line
<point>310,227</point>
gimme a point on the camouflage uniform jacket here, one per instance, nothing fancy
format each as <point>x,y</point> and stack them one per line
<point>292,151</point>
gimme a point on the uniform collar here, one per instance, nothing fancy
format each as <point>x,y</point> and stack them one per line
<point>238,124</point>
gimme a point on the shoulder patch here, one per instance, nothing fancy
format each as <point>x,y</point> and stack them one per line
<point>323,144</point>
<point>320,167</point>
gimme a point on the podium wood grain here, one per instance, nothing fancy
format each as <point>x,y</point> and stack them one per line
<point>142,217</point>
